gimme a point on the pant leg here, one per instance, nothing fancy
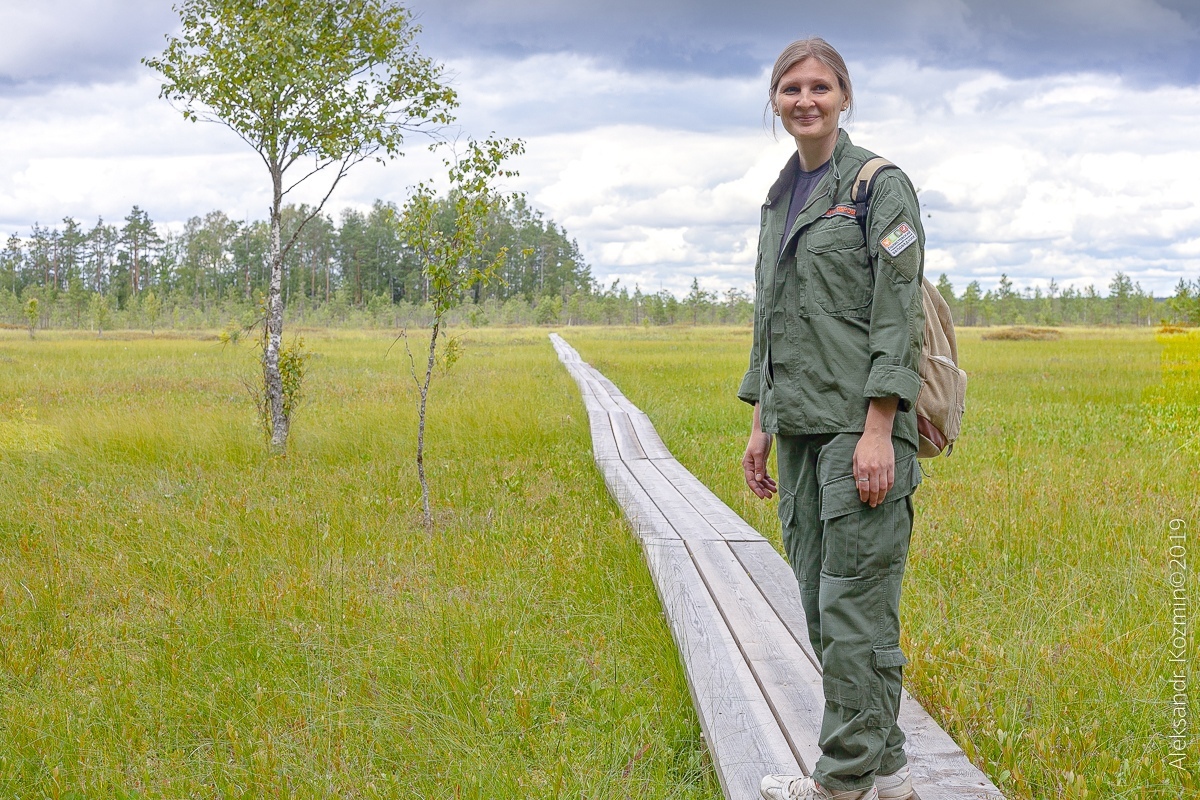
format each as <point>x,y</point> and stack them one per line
<point>854,612</point>
<point>800,517</point>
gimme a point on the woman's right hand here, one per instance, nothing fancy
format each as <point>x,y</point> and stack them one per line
<point>754,462</point>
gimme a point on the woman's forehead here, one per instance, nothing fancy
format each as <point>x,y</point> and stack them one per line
<point>808,68</point>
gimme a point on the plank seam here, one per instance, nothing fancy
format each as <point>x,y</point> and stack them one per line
<point>804,646</point>
<point>787,734</point>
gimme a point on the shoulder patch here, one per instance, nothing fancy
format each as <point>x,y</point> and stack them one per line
<point>899,240</point>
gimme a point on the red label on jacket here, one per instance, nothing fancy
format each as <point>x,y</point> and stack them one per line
<point>841,211</point>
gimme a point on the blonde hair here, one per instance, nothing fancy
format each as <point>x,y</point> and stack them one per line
<point>816,48</point>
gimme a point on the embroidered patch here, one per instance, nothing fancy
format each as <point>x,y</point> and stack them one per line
<point>898,240</point>
<point>841,211</point>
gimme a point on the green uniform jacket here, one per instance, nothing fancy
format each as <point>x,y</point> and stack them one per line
<point>837,320</point>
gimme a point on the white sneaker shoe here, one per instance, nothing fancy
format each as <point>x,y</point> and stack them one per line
<point>897,786</point>
<point>797,787</point>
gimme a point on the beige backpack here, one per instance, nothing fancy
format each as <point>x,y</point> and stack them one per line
<point>943,396</point>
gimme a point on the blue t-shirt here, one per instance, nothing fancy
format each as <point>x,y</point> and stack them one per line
<point>801,190</point>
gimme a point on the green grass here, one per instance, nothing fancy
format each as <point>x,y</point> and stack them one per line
<point>1037,608</point>
<point>183,616</point>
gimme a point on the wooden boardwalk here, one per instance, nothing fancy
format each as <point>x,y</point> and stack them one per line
<point>734,610</point>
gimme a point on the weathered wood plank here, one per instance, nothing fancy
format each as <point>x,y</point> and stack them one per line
<point>651,442</point>
<point>741,731</point>
<point>787,678</point>
<point>775,579</point>
<point>720,516</point>
<point>688,523</point>
<point>604,444</point>
<point>639,508</point>
<point>627,439</point>
<point>940,769</point>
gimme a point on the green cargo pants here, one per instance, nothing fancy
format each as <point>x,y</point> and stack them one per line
<point>849,560</point>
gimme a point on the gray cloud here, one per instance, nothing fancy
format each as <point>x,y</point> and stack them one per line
<point>1158,40</point>
<point>77,41</point>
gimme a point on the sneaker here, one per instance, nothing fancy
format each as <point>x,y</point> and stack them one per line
<point>796,787</point>
<point>897,786</point>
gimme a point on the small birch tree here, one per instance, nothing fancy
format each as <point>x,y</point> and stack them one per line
<point>312,86</point>
<point>452,257</point>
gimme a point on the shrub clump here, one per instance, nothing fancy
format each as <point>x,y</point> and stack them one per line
<point>1021,333</point>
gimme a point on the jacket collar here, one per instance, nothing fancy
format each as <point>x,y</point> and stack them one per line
<point>787,176</point>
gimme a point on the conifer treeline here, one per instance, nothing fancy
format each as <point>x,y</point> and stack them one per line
<point>216,260</point>
<point>356,272</point>
<point>1126,304</point>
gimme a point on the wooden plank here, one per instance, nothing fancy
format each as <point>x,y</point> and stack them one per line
<point>940,769</point>
<point>604,445</point>
<point>775,579</point>
<point>688,523</point>
<point>723,518</point>
<point>742,733</point>
<point>787,678</point>
<point>627,440</point>
<point>566,353</point>
<point>639,508</point>
<point>651,442</point>
<point>602,397</point>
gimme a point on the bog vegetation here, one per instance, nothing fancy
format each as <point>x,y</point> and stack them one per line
<point>179,621</point>
<point>182,615</point>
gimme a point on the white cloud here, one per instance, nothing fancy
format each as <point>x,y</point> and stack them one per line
<point>660,176</point>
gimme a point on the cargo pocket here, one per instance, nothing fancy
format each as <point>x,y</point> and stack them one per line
<point>860,541</point>
<point>861,704</point>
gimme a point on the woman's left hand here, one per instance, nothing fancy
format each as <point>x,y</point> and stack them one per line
<point>874,456</point>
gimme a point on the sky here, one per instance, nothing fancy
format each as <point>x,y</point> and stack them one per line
<point>1049,139</point>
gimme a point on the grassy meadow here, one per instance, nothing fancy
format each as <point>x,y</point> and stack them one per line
<point>183,616</point>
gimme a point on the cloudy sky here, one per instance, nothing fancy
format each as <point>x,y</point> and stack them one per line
<point>1049,138</point>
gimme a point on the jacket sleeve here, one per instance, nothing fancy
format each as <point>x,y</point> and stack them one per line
<point>896,243</point>
<point>748,391</point>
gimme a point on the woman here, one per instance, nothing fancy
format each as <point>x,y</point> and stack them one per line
<point>838,326</point>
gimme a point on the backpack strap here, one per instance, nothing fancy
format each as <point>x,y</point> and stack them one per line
<point>860,192</point>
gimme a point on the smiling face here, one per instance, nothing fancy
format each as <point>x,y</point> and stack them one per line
<point>810,101</point>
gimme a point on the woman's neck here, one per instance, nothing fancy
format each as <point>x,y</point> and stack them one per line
<point>815,153</point>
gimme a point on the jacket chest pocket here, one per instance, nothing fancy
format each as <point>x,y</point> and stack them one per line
<point>839,271</point>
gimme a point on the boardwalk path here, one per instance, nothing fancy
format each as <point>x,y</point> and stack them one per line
<point>735,613</point>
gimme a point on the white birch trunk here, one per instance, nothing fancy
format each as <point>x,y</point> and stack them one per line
<point>272,381</point>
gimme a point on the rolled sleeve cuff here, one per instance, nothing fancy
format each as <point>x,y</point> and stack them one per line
<point>890,380</point>
<point>748,391</point>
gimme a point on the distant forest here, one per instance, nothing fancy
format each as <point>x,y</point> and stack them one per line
<point>356,273</point>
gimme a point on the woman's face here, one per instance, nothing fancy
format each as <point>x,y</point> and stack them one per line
<point>809,101</point>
